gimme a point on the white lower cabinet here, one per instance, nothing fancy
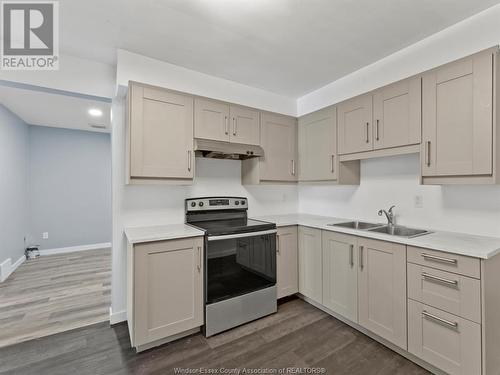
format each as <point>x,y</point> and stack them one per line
<point>287,261</point>
<point>340,274</point>
<point>450,343</point>
<point>310,263</point>
<point>382,289</point>
<point>165,290</point>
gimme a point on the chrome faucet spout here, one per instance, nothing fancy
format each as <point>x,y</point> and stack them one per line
<point>389,214</point>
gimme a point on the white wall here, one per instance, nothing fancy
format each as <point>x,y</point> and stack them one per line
<point>395,180</point>
<point>134,67</point>
<point>70,187</point>
<point>476,33</point>
<point>13,184</point>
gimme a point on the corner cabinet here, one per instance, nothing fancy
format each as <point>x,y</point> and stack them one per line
<point>310,263</point>
<point>287,261</point>
<point>318,156</point>
<point>459,121</point>
<point>165,290</point>
<point>159,135</point>
<point>278,138</point>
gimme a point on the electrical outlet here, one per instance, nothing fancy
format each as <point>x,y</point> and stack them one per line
<point>45,235</point>
<point>419,201</point>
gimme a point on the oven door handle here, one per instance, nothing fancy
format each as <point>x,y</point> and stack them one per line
<point>241,235</point>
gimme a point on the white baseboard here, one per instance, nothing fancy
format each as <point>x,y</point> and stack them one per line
<point>71,249</point>
<point>117,317</point>
<point>6,267</point>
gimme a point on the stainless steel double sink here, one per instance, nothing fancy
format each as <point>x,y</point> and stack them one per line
<point>392,230</point>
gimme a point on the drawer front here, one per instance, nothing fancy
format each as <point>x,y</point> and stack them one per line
<point>445,261</point>
<point>446,341</point>
<point>456,294</point>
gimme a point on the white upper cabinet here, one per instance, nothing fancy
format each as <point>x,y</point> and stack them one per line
<point>355,124</point>
<point>160,134</point>
<point>211,120</point>
<point>397,114</point>
<point>245,125</point>
<point>458,118</point>
<point>318,146</point>
<point>219,121</point>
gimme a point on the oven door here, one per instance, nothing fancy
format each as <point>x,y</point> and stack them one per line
<point>239,263</point>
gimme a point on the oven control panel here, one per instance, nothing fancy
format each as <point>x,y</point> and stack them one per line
<point>216,203</point>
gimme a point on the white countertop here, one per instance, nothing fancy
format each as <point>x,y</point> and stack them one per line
<point>457,243</point>
<point>161,232</point>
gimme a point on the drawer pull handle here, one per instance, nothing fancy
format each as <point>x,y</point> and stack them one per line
<point>439,259</point>
<point>199,259</point>
<point>426,276</point>
<point>439,320</point>
<point>361,263</point>
<point>351,255</point>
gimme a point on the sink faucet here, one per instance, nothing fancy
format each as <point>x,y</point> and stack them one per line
<point>388,214</point>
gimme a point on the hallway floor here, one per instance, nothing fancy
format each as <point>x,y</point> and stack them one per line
<point>55,293</point>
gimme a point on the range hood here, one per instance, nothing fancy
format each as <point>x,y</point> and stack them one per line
<point>226,150</point>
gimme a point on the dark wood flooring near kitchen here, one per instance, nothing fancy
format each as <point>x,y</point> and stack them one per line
<point>55,293</point>
<point>298,335</point>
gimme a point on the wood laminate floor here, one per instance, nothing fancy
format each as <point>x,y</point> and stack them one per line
<point>55,293</point>
<point>299,335</point>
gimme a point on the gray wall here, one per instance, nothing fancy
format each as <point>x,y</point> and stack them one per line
<point>13,184</point>
<point>70,187</point>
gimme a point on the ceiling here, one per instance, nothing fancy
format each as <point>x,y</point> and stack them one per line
<point>289,47</point>
<point>48,108</point>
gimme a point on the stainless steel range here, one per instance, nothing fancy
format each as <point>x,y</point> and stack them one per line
<point>240,262</point>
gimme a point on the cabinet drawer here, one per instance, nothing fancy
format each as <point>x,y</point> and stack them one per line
<point>446,341</point>
<point>445,261</point>
<point>456,294</point>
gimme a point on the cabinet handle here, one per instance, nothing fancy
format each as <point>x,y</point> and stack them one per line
<point>351,256</point>
<point>226,125</point>
<point>189,160</point>
<point>439,320</point>
<point>376,131</point>
<point>234,126</point>
<point>333,163</point>
<point>367,132</point>
<point>278,243</point>
<point>361,264</point>
<point>293,167</point>
<point>438,259</point>
<point>199,259</point>
<point>428,153</point>
<point>429,277</point>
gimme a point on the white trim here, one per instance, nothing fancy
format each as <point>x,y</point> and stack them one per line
<point>72,249</point>
<point>117,317</point>
<point>6,267</point>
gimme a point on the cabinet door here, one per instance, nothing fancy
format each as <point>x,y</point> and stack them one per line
<point>318,145</point>
<point>446,341</point>
<point>382,289</point>
<point>161,133</point>
<point>211,120</point>
<point>310,264</point>
<point>340,274</point>
<point>287,260</point>
<point>355,125</point>
<point>397,114</point>
<point>245,125</point>
<point>279,141</point>
<point>458,118</point>
<point>168,288</point>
